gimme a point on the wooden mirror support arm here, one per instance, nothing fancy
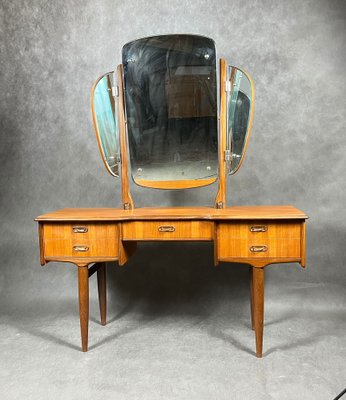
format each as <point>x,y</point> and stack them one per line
<point>125,183</point>
<point>220,200</point>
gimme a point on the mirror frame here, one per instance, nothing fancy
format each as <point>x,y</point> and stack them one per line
<point>179,183</point>
<point>97,132</point>
<point>250,122</point>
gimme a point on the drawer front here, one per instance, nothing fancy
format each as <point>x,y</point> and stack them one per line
<point>168,230</point>
<point>260,230</point>
<point>272,248</point>
<point>259,240</point>
<point>102,248</point>
<point>84,240</point>
<point>80,231</point>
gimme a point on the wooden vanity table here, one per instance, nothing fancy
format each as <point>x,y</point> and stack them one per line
<point>252,235</point>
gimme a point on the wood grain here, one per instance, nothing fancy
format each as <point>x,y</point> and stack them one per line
<point>178,184</point>
<point>258,300</point>
<point>95,231</point>
<point>102,291</point>
<point>278,240</point>
<point>303,245</point>
<point>167,230</point>
<point>101,240</point>
<point>104,248</point>
<point>41,243</point>
<point>220,200</point>
<point>83,295</point>
<point>81,260</point>
<point>287,212</point>
<point>275,248</point>
<point>251,298</point>
<point>243,230</point>
<point>125,186</point>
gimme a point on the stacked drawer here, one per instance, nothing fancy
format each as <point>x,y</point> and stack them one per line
<point>81,240</point>
<point>254,239</point>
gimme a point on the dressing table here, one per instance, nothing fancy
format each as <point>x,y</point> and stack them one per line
<point>161,117</point>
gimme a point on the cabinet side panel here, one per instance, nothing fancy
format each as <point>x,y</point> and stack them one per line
<point>41,243</point>
<point>303,245</point>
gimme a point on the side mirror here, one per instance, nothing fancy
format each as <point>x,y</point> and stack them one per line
<point>104,106</point>
<point>240,111</point>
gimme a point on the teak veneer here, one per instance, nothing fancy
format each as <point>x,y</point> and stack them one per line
<point>257,236</point>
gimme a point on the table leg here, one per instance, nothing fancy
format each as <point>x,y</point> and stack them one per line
<point>258,300</point>
<point>83,295</point>
<point>251,298</point>
<point>102,289</point>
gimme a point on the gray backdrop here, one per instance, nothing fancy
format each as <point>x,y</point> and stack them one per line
<point>52,51</point>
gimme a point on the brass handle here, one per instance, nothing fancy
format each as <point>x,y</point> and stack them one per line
<point>258,249</point>
<point>166,228</point>
<point>80,248</point>
<point>258,228</point>
<point>80,229</point>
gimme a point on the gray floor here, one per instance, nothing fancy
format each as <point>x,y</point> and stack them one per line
<point>192,342</point>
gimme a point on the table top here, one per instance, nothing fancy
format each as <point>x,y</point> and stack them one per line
<point>174,213</point>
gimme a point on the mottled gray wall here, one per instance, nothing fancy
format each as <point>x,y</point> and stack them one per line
<point>52,51</point>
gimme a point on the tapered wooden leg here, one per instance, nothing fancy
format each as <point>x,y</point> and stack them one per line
<point>102,289</point>
<point>83,294</point>
<point>258,303</point>
<point>251,298</point>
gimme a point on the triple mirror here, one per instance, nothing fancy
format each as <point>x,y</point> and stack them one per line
<point>171,111</point>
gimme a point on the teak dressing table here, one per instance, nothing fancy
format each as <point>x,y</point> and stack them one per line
<point>159,114</point>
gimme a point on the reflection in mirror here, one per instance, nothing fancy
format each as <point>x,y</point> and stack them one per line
<point>239,117</point>
<point>105,114</point>
<point>171,109</point>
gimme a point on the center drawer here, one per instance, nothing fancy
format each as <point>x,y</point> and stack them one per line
<point>167,230</point>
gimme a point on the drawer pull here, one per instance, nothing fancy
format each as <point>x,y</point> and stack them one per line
<point>258,249</point>
<point>80,229</point>
<point>166,228</point>
<point>80,248</point>
<point>258,228</point>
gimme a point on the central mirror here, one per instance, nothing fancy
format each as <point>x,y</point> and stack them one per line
<point>170,98</point>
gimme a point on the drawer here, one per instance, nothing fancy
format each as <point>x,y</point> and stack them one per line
<point>270,248</point>
<point>260,230</point>
<point>259,239</point>
<point>168,230</point>
<point>80,231</point>
<point>101,248</point>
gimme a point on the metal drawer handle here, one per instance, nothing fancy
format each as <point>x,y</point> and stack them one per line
<point>166,228</point>
<point>258,249</point>
<point>80,229</point>
<point>80,248</point>
<point>258,228</point>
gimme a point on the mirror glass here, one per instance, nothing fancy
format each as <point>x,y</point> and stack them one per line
<point>240,110</point>
<point>171,110</point>
<point>105,120</point>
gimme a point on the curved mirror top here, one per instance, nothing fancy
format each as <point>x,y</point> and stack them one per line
<point>239,116</point>
<point>104,108</point>
<point>171,110</point>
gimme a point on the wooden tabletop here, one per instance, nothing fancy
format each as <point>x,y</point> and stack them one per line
<point>203,213</point>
